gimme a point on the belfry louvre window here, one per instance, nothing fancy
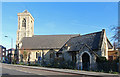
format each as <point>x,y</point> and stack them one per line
<point>24,22</point>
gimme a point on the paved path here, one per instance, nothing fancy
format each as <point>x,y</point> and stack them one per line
<point>8,69</point>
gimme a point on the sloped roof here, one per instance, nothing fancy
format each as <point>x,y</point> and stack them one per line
<point>45,41</point>
<point>93,40</point>
<point>110,46</point>
<point>2,46</point>
<point>11,49</point>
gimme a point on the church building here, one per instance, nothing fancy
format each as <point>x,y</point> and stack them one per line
<point>85,50</point>
<point>37,46</point>
<point>72,47</point>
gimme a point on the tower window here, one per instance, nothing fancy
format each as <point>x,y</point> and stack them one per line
<point>24,22</point>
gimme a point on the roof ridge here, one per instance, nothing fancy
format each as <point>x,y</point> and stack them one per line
<point>91,33</point>
<point>62,34</point>
<point>59,35</point>
<point>87,34</point>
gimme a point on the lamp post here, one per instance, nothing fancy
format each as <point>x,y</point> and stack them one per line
<point>11,41</point>
<point>11,47</point>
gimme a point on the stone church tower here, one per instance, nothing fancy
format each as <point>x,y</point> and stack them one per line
<point>25,26</point>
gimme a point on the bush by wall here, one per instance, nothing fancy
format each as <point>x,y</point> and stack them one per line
<point>107,66</point>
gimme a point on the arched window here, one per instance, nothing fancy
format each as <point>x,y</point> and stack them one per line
<point>36,55</point>
<point>24,22</point>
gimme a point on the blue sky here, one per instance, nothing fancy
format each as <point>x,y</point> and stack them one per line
<point>60,18</point>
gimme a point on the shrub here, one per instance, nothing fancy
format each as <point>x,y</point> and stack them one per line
<point>107,66</point>
<point>101,59</point>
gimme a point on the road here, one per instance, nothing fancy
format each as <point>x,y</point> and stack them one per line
<point>13,70</point>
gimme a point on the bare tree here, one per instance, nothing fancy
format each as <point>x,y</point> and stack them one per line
<point>116,33</point>
<point>116,40</point>
<point>115,45</point>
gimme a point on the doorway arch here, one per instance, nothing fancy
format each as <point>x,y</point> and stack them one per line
<point>85,61</point>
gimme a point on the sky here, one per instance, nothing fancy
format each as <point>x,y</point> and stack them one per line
<point>60,18</point>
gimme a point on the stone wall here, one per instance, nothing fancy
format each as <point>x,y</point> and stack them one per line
<point>43,53</point>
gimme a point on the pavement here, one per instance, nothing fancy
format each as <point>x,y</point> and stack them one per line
<point>33,70</point>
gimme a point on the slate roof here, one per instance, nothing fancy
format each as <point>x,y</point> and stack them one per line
<point>11,49</point>
<point>45,41</point>
<point>110,46</point>
<point>93,40</point>
<point>2,46</point>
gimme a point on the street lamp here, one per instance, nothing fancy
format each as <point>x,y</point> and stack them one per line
<point>11,41</point>
<point>11,47</point>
